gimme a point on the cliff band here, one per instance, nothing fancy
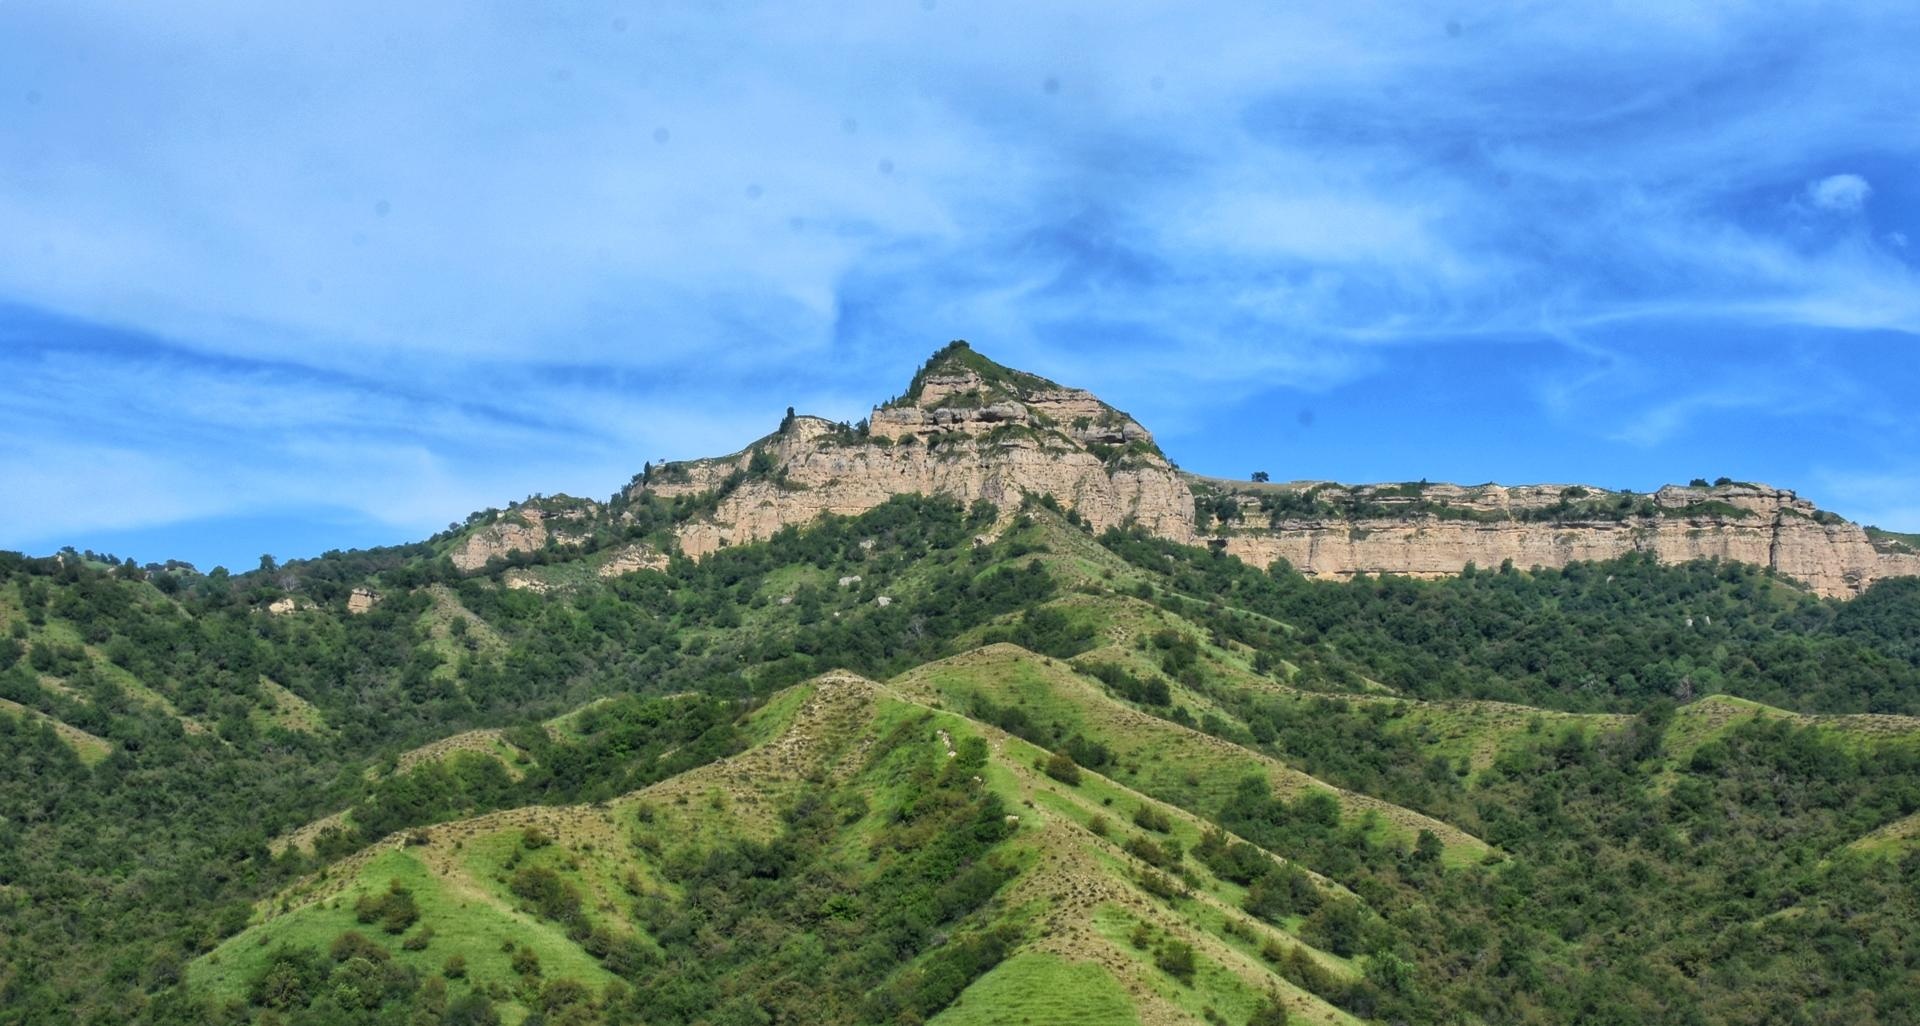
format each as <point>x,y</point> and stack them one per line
<point>971,429</point>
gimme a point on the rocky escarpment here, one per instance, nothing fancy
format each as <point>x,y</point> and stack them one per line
<point>967,429</point>
<point>970,429</point>
<point>525,528</point>
<point>1423,530</point>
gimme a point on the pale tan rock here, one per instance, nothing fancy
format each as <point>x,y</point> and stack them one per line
<point>559,519</point>
<point>997,451</point>
<point>634,558</point>
<point>361,600</point>
<point>520,580</point>
<point>283,606</point>
<point>521,531</point>
<point>1779,531</point>
<point>969,439</point>
<point>1901,564</point>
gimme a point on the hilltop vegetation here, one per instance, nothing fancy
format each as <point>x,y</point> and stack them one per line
<point>1620,792</point>
<point>958,358</point>
<point>1592,637</point>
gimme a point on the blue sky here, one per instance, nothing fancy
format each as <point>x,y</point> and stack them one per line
<point>283,281</point>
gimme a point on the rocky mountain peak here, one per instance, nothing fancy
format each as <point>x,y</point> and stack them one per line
<point>967,428</point>
<point>971,429</point>
<point>956,369</point>
<point>961,390</point>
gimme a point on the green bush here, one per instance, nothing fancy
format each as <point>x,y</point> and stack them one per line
<point>1175,958</point>
<point>394,909</point>
<point>1060,766</point>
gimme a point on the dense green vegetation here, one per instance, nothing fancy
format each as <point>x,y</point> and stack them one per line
<point>139,862</point>
<point>1592,637</point>
<point>1679,860</point>
<point>1233,508</point>
<point>1411,499</point>
<point>799,911</point>
<point>803,926</point>
<point>958,357</point>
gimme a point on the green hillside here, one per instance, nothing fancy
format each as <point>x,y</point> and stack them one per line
<point>1053,777</point>
<point>848,799</point>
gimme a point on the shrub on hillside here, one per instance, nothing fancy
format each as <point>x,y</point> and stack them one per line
<point>394,910</point>
<point>1060,766</point>
<point>1175,958</point>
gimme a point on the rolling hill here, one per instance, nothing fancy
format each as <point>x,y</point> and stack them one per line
<point>988,748</point>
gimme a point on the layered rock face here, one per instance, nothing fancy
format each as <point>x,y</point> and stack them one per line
<point>632,558</point>
<point>969,429</point>
<point>965,434</point>
<point>525,529</point>
<point>525,532</point>
<point>1440,530</point>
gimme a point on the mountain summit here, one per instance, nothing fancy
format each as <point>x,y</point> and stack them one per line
<point>972,430</point>
<point>959,761</point>
<point>967,428</point>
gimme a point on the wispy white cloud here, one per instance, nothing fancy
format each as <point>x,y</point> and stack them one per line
<point>1842,193</point>
<point>567,241</point>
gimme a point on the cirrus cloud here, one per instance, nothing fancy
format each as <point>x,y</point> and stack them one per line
<point>553,244</point>
<point>1841,194</point>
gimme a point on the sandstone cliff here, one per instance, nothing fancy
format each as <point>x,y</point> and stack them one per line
<point>522,532</point>
<point>968,429</point>
<point>527,528</point>
<point>1334,531</point>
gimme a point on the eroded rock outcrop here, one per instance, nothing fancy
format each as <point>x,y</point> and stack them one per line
<point>519,532</point>
<point>967,429</point>
<point>970,429</point>
<point>1334,531</point>
<point>633,558</point>
<point>527,528</point>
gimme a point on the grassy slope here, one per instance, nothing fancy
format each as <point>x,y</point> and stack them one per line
<point>468,920</point>
<point>1073,556</point>
<point>288,711</point>
<point>1697,723</point>
<point>1712,717</point>
<point>1173,763</point>
<point>89,748</point>
<point>437,621</point>
<point>1889,842</point>
<point>487,742</point>
<point>1467,732</point>
<point>1035,987</point>
<point>281,707</point>
<point>1893,541</point>
<point>1121,626</point>
<point>1076,896</point>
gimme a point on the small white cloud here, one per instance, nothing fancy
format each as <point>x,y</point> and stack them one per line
<point>1842,194</point>
<point>1897,239</point>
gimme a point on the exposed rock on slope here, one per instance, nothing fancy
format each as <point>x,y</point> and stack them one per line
<point>524,532</point>
<point>526,528</point>
<point>1436,530</point>
<point>632,558</point>
<point>967,428</point>
<point>970,429</point>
